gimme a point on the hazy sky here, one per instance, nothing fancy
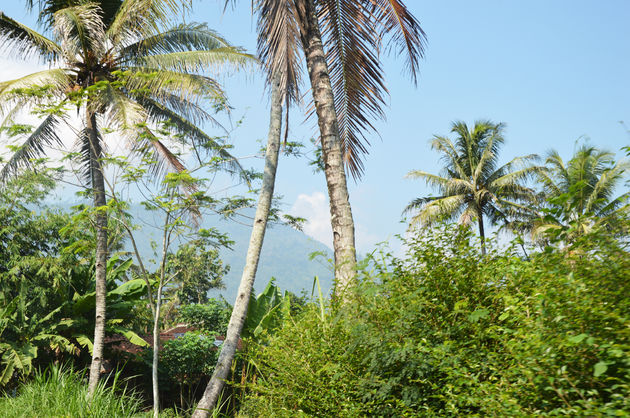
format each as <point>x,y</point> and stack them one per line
<point>553,71</point>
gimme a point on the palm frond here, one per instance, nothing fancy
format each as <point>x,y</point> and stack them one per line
<point>136,19</point>
<point>447,185</point>
<point>605,186</point>
<point>199,138</point>
<point>34,88</point>
<point>182,37</point>
<point>407,37</point>
<point>435,210</point>
<point>514,177</point>
<point>24,41</point>
<point>353,32</point>
<point>44,135</point>
<point>148,144</point>
<point>119,110</point>
<point>164,84</point>
<point>81,31</point>
<point>279,46</point>
<point>349,30</point>
<point>218,60</point>
<point>451,157</point>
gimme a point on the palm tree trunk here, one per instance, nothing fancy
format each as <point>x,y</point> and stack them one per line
<point>482,234</point>
<point>332,153</point>
<point>100,268</point>
<point>156,352</point>
<point>239,313</point>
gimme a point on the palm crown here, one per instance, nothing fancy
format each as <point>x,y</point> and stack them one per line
<point>581,191</point>
<point>134,73</point>
<point>472,184</point>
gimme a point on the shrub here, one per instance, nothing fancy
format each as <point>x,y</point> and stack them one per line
<point>447,332</point>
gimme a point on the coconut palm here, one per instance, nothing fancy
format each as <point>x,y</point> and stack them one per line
<point>472,184</point>
<point>581,192</point>
<point>341,41</point>
<point>120,66</point>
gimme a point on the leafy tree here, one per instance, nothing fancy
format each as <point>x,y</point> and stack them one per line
<point>581,193</point>
<point>472,184</point>
<point>211,318</point>
<point>197,268</point>
<point>115,62</point>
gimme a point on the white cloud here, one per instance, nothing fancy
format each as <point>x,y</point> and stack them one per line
<point>314,208</point>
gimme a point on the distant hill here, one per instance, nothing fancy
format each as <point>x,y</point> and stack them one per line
<point>285,254</point>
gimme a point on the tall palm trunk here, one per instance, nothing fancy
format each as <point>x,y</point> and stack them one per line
<point>332,153</point>
<point>482,234</point>
<point>100,268</point>
<point>239,313</point>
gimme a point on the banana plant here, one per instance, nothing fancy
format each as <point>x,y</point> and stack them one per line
<point>122,296</point>
<point>266,312</point>
<point>23,335</point>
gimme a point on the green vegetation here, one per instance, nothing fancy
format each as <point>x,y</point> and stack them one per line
<point>61,392</point>
<point>98,317</point>
<point>439,333</point>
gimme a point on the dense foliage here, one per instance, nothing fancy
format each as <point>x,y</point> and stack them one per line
<point>446,332</point>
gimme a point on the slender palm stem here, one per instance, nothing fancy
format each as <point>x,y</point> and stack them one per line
<point>100,265</point>
<point>239,312</point>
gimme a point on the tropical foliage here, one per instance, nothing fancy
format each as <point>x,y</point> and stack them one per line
<point>473,185</point>
<point>581,193</point>
<point>439,334</point>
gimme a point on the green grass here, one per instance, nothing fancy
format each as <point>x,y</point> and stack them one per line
<point>60,392</point>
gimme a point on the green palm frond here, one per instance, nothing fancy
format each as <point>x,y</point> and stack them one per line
<point>121,112</point>
<point>164,84</point>
<point>438,209</point>
<point>448,186</point>
<point>218,60</point>
<point>24,41</point>
<point>199,139</point>
<point>514,177</point>
<point>33,147</point>
<point>33,88</point>
<point>604,187</point>
<point>140,18</point>
<point>451,157</point>
<point>81,31</point>
<point>182,37</point>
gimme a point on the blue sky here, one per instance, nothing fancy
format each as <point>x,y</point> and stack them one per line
<point>553,71</point>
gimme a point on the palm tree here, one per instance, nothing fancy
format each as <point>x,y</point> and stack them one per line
<point>114,62</point>
<point>472,185</point>
<point>347,83</point>
<point>341,41</point>
<point>580,193</point>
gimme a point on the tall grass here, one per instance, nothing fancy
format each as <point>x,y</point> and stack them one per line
<point>61,392</point>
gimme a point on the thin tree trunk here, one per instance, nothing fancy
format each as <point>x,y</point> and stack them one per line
<point>482,234</point>
<point>332,152</point>
<point>156,318</point>
<point>239,312</point>
<point>156,353</point>
<point>98,190</point>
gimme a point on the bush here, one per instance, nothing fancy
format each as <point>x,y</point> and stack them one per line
<point>447,332</point>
